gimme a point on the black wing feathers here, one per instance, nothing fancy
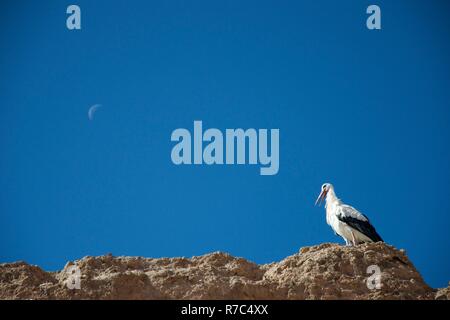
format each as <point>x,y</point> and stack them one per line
<point>362,226</point>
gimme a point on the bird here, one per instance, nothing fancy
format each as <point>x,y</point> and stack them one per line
<point>347,222</point>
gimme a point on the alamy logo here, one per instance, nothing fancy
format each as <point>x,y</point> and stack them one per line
<point>374,281</point>
<point>238,144</point>
<point>374,20</point>
<point>74,277</point>
<point>73,21</point>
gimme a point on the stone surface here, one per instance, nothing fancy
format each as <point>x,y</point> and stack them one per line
<point>326,271</point>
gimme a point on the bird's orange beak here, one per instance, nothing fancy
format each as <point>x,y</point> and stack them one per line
<point>320,198</point>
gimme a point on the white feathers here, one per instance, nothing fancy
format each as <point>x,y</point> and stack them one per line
<point>349,211</point>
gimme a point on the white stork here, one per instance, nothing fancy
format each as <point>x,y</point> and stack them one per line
<point>345,220</point>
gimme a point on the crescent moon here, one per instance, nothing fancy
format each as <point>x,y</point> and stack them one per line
<point>92,110</point>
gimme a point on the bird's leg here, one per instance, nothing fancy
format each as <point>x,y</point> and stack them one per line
<point>353,237</point>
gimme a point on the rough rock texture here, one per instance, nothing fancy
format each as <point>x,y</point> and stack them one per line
<point>326,271</point>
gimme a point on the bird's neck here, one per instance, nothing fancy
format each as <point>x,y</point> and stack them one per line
<point>331,198</point>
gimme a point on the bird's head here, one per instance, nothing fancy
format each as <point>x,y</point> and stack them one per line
<point>326,187</point>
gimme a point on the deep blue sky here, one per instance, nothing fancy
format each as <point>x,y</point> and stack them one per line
<point>365,110</point>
